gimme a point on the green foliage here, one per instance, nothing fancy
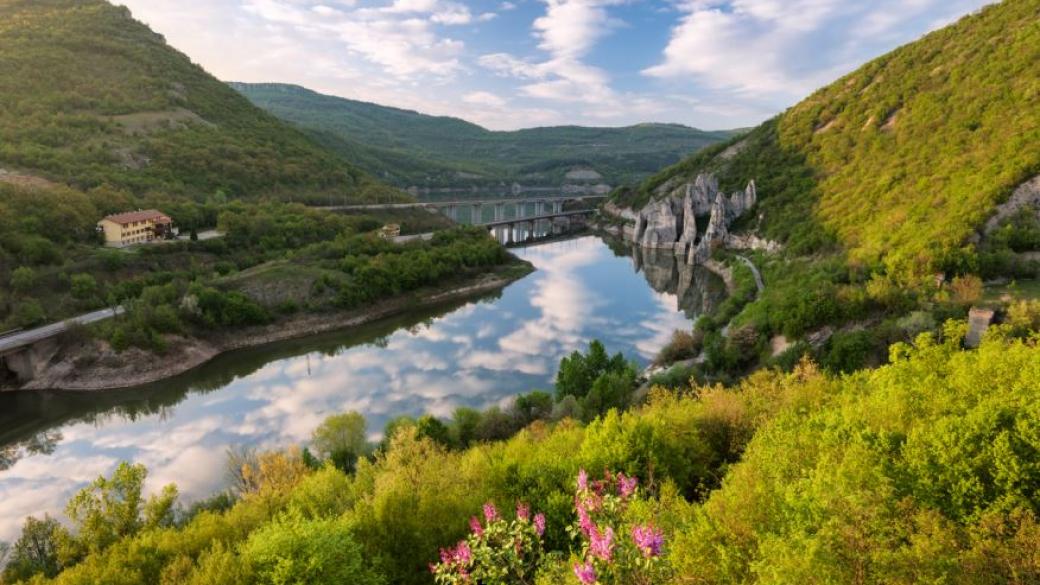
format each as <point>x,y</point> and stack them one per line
<point>916,472</point>
<point>35,552</point>
<point>922,470</point>
<point>297,551</point>
<point>408,148</point>
<point>23,279</point>
<point>496,551</point>
<point>84,287</point>
<point>109,509</point>
<point>341,439</point>
<point>122,108</point>
<point>900,161</point>
<point>28,313</point>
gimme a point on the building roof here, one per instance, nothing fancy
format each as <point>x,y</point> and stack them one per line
<point>139,215</point>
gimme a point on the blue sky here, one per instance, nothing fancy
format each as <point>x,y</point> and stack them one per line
<point>509,64</point>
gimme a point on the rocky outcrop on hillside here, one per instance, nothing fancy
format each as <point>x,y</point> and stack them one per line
<point>670,222</point>
<point>1027,196</point>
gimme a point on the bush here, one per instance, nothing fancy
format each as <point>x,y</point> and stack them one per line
<point>84,286</point>
<point>966,289</point>
<point>23,279</point>
<point>295,551</point>
<point>29,313</point>
<point>848,352</point>
<point>683,345</point>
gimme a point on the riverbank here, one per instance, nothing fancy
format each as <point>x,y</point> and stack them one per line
<point>92,365</point>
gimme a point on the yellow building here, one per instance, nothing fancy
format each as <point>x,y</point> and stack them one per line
<point>135,227</point>
<point>390,231</point>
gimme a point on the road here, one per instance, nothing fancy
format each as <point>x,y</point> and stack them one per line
<point>32,336</point>
<point>502,200</point>
<point>405,239</point>
<point>754,270</point>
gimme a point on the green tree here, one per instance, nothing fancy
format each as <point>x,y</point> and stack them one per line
<point>579,371</point>
<point>464,424</point>
<point>341,438</point>
<point>35,552</point>
<point>23,279</point>
<point>111,508</point>
<point>432,428</point>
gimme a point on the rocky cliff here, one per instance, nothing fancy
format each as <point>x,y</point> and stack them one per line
<point>671,221</point>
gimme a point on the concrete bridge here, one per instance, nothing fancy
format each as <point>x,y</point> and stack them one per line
<point>23,354</point>
<point>502,208</point>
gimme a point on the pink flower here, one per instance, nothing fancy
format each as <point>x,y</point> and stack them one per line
<point>626,485</point>
<point>490,513</point>
<point>523,512</point>
<point>475,526</point>
<point>649,540</point>
<point>601,544</point>
<point>583,480</point>
<point>585,573</point>
<point>585,521</point>
<point>539,523</point>
<point>463,555</point>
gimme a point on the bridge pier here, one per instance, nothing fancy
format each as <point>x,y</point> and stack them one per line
<point>28,362</point>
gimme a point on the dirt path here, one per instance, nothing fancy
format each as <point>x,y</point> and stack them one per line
<point>754,270</point>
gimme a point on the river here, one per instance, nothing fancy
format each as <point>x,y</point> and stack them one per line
<point>477,353</point>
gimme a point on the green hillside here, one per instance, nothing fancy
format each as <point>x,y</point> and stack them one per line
<point>408,148</point>
<point>901,161</point>
<point>91,97</point>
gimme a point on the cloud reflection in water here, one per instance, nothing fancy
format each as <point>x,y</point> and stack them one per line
<point>476,355</point>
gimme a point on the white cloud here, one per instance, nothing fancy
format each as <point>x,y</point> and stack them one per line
<point>484,98</point>
<point>567,31</point>
<point>779,51</point>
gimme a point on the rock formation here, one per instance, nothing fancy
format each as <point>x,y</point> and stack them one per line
<point>671,221</point>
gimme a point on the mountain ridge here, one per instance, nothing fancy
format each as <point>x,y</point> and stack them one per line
<point>409,148</point>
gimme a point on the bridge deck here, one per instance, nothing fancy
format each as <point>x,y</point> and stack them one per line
<point>460,202</point>
<point>548,216</point>
<point>25,338</point>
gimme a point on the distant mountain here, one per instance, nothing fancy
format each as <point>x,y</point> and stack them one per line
<point>90,96</point>
<point>902,161</point>
<point>408,148</point>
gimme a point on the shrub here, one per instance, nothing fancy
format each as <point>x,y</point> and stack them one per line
<point>966,289</point>
<point>84,286</point>
<point>496,551</point>
<point>615,551</point>
<point>1024,316</point>
<point>683,345</point>
<point>23,279</point>
<point>29,313</point>
<point>296,551</point>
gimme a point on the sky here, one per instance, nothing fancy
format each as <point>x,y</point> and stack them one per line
<point>507,64</point>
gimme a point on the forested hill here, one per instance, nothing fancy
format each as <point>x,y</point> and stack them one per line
<point>409,148</point>
<point>901,161</point>
<point>90,96</point>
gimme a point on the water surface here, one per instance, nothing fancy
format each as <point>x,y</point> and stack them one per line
<point>477,353</point>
